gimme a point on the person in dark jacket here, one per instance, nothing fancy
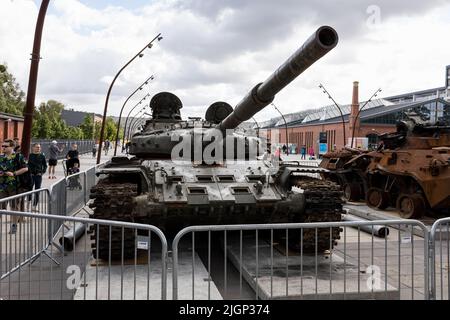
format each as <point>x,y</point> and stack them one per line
<point>38,167</point>
<point>72,157</point>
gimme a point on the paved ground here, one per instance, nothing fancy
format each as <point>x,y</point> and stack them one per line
<point>86,161</point>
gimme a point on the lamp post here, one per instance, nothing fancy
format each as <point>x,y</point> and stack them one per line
<point>285,123</point>
<point>134,120</point>
<point>359,112</point>
<point>257,127</point>
<point>105,111</point>
<point>133,127</point>
<point>32,82</point>
<point>339,108</point>
<point>121,110</point>
<point>128,116</point>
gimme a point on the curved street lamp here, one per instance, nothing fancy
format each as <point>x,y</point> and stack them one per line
<point>285,123</point>
<point>105,111</point>
<point>121,110</point>
<point>257,127</point>
<point>32,82</point>
<point>359,112</point>
<point>134,120</point>
<point>338,107</point>
<point>134,127</point>
<point>128,116</point>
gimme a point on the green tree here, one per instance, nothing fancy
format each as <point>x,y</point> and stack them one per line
<point>87,127</point>
<point>110,129</point>
<point>75,133</point>
<point>11,96</point>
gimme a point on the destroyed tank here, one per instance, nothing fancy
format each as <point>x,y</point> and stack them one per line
<point>205,179</point>
<point>409,171</point>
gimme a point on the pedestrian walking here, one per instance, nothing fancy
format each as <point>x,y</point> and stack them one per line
<point>37,165</point>
<point>311,154</point>
<point>17,148</point>
<point>12,165</point>
<point>106,147</point>
<point>94,150</point>
<point>54,151</point>
<point>303,152</point>
<point>72,158</point>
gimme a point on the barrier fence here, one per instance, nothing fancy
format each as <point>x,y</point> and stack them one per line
<point>301,261</point>
<point>84,146</point>
<point>370,260</point>
<point>440,260</point>
<point>82,274</point>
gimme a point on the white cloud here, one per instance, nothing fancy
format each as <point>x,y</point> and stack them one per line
<point>219,50</point>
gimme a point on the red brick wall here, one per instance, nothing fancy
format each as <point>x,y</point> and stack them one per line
<point>10,129</point>
<point>309,135</point>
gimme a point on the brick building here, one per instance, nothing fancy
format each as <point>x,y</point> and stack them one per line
<point>11,126</point>
<point>323,129</point>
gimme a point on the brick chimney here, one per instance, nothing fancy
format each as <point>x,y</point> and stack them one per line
<point>354,111</point>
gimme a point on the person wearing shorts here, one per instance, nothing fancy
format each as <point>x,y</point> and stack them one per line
<point>53,159</point>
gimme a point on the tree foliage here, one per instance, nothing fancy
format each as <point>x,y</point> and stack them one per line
<point>47,119</point>
<point>11,96</point>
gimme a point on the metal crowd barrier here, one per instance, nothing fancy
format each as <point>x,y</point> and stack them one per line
<point>30,239</point>
<point>81,275</point>
<point>270,261</point>
<point>84,146</point>
<point>277,264</point>
<point>440,260</point>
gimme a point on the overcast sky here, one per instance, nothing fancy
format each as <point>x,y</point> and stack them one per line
<point>218,50</point>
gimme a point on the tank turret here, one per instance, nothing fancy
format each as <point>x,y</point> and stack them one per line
<point>159,137</point>
<point>154,187</point>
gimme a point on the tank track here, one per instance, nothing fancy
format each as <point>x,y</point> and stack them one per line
<point>324,200</point>
<point>113,201</point>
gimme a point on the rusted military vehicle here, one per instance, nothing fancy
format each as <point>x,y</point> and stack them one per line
<point>409,171</point>
<point>347,167</point>
<point>171,183</point>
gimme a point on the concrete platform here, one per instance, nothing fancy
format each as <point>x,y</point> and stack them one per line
<point>143,282</point>
<point>329,278</point>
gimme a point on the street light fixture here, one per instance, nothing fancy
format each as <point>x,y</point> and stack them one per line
<point>359,112</point>
<point>285,123</point>
<point>121,110</point>
<point>257,127</point>
<point>128,116</point>
<point>105,111</point>
<point>133,127</point>
<point>134,120</point>
<point>338,107</point>
<point>32,82</point>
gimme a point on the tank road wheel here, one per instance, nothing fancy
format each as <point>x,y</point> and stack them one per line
<point>410,206</point>
<point>377,198</point>
<point>352,192</point>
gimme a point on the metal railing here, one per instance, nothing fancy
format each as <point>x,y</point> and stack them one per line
<point>270,261</point>
<point>440,260</point>
<point>121,257</point>
<point>84,146</point>
<point>290,261</point>
<point>25,251</point>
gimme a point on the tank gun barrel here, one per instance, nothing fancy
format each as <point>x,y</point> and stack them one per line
<point>318,44</point>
